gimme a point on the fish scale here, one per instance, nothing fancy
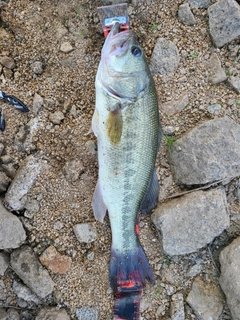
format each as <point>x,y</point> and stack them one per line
<point>133,159</point>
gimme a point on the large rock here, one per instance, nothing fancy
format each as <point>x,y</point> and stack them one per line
<point>87,313</point>
<point>26,265</point>
<point>175,106</point>
<point>234,82</point>
<point>216,72</point>
<point>165,58</point>
<point>224,21</point>
<point>54,261</point>
<point>4,262</point>
<point>24,293</point>
<point>191,222</point>
<point>208,153</point>
<point>177,307</point>
<point>25,177</point>
<point>206,300</point>
<point>85,232</point>
<point>12,233</point>
<point>200,3</point>
<point>230,276</point>
<point>185,15</point>
<point>4,182</point>
<point>52,313</point>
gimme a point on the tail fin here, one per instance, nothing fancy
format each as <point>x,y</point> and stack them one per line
<point>128,274</point>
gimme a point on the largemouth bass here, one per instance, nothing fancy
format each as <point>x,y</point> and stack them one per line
<point>126,124</point>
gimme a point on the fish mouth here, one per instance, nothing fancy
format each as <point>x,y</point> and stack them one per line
<point>117,41</point>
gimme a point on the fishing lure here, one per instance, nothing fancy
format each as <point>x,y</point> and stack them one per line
<point>2,122</point>
<point>18,104</point>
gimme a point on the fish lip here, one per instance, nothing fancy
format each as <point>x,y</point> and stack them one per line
<point>113,43</point>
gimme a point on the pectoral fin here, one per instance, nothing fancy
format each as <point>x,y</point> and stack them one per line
<point>150,198</point>
<point>99,207</point>
<point>95,123</point>
<point>114,126</point>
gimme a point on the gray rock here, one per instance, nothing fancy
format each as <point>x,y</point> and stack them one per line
<point>4,182</point>
<point>206,300</point>
<point>3,314</point>
<point>224,21</point>
<point>32,207</point>
<point>200,3</point>
<point>208,153</point>
<point>165,58</point>
<point>3,294</point>
<point>73,169</point>
<point>52,313</point>
<point>12,234</point>
<point>172,107</point>
<point>6,159</point>
<point>91,146</point>
<point>4,263</point>
<point>192,221</point>
<point>234,83</point>
<point>166,183</point>
<point>24,293</point>
<point>23,181</point>
<point>56,117</point>
<point>12,314</point>
<point>29,269</point>
<point>215,109</point>
<point>61,31</point>
<point>109,2</point>
<point>194,270</point>
<point>85,232</point>
<point>24,138</point>
<point>185,15</point>
<point>7,62</point>
<point>230,276</point>
<point>37,67</point>
<point>177,307</point>
<point>216,72</point>
<point>168,130</point>
<point>87,313</point>
<point>37,103</point>
<point>66,47</point>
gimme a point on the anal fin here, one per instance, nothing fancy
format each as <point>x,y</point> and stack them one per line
<point>150,198</point>
<point>99,207</point>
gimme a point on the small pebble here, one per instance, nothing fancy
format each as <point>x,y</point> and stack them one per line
<point>37,67</point>
<point>215,109</point>
<point>56,117</point>
<point>8,62</point>
<point>66,47</point>
<point>169,130</point>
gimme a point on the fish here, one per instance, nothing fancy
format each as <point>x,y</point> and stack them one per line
<point>126,124</point>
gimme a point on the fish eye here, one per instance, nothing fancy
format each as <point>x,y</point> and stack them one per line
<point>136,51</point>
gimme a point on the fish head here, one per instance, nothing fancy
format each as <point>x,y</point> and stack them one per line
<point>123,70</point>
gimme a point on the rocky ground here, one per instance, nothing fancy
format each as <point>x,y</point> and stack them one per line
<point>54,256</point>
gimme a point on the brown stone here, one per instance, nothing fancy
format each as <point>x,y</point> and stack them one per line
<point>8,62</point>
<point>55,261</point>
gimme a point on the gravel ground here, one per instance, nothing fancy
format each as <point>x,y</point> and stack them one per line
<point>37,31</point>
